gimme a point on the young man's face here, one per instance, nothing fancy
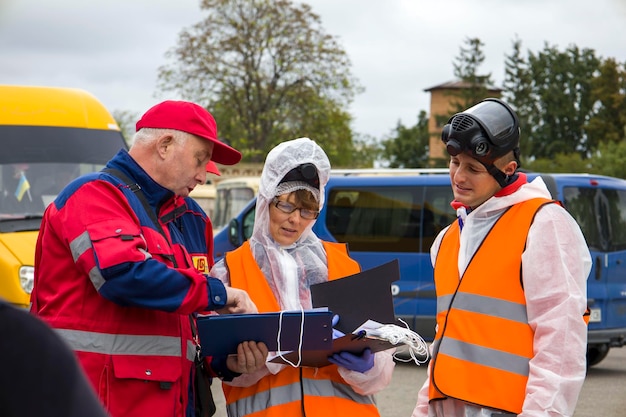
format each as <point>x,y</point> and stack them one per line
<point>472,185</point>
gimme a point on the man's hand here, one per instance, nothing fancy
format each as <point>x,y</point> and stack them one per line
<point>238,301</point>
<point>251,356</point>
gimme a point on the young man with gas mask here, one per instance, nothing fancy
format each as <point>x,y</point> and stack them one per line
<point>510,276</point>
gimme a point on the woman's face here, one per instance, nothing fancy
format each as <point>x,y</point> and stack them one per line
<point>286,228</point>
<point>472,184</point>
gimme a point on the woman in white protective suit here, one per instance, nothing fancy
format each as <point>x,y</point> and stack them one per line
<point>278,264</point>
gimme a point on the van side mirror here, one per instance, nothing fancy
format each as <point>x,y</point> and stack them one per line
<point>233,232</point>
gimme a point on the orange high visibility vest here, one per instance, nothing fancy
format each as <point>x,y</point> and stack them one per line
<point>316,392</point>
<point>483,343</point>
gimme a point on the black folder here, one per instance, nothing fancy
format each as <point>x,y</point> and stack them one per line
<point>359,297</point>
<point>221,334</point>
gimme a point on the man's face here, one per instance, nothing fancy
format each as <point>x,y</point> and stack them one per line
<point>472,185</point>
<point>185,165</point>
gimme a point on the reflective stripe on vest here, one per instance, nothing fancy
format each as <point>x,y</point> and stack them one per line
<point>483,343</point>
<point>116,344</point>
<point>277,396</point>
<point>487,305</point>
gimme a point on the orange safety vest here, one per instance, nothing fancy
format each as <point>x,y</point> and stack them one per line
<point>484,343</point>
<point>314,392</point>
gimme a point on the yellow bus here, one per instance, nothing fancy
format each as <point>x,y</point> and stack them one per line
<point>49,136</point>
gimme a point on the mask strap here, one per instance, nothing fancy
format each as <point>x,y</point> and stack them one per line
<point>500,176</point>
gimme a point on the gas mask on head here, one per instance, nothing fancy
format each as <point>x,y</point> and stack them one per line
<point>486,131</point>
<point>305,172</point>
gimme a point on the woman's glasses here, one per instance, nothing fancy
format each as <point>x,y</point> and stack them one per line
<point>289,208</point>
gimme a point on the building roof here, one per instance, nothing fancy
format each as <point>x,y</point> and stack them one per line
<point>458,85</point>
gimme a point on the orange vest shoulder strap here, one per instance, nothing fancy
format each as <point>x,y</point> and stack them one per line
<point>339,262</point>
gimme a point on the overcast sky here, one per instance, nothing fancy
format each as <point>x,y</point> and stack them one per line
<point>398,48</point>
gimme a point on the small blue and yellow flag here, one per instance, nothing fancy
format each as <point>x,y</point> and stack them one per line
<point>22,188</point>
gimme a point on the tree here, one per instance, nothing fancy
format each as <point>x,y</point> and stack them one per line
<point>366,150</point>
<point>466,66</point>
<point>608,123</point>
<point>518,93</point>
<point>269,72</point>
<point>552,91</point>
<point>610,159</point>
<point>561,162</point>
<point>408,148</point>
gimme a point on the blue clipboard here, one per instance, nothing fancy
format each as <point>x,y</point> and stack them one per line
<point>221,334</point>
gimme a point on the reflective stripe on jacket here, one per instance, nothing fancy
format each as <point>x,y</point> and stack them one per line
<point>314,392</point>
<point>483,343</point>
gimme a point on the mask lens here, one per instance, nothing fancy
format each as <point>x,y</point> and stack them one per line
<point>453,147</point>
<point>481,148</point>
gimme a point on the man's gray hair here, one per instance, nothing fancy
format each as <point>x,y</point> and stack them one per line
<point>148,134</point>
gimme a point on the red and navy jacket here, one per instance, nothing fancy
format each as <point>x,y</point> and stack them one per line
<point>121,293</point>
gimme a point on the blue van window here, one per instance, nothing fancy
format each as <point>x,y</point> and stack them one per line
<point>580,204</point>
<point>616,200</point>
<point>248,224</point>
<point>388,219</point>
<point>601,214</point>
<point>437,213</point>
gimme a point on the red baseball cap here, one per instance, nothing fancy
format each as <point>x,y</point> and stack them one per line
<point>212,168</point>
<point>191,118</point>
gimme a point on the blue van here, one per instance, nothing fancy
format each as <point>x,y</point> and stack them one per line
<point>385,217</point>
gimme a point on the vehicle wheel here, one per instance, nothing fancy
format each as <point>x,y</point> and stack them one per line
<point>596,353</point>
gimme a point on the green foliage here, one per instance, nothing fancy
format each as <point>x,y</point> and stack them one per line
<point>609,93</point>
<point>561,162</point>
<point>610,159</point>
<point>552,91</point>
<point>518,92</point>
<point>366,150</point>
<point>408,146</point>
<point>268,72</point>
<point>466,66</point>
<point>572,109</point>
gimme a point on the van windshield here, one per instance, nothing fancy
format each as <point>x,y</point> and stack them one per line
<point>38,161</point>
<point>229,202</point>
<point>26,189</point>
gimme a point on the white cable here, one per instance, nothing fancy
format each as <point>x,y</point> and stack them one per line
<point>394,334</point>
<point>280,328</point>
